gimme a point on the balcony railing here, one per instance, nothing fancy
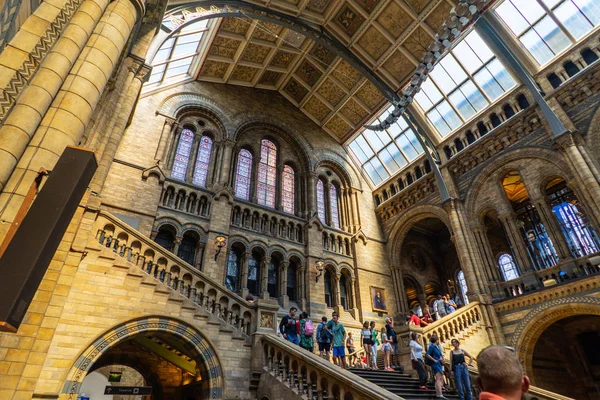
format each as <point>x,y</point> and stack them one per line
<point>268,223</point>
<point>176,274</point>
<point>183,198</point>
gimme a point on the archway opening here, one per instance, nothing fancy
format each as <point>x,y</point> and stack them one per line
<point>429,256</point>
<point>171,357</point>
<point>569,351</point>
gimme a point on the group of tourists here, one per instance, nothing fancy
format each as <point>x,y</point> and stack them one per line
<point>332,339</point>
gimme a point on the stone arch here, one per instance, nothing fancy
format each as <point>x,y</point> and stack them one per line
<point>593,134</point>
<point>405,223</point>
<point>197,343</point>
<point>169,221</point>
<point>280,250</point>
<point>346,267</point>
<point>540,318</point>
<point>176,104</point>
<point>499,168</point>
<point>340,166</point>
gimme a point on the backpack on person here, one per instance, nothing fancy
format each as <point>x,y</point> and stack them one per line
<point>309,328</point>
<point>324,334</point>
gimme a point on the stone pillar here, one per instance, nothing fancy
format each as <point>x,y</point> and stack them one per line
<point>312,197</point>
<point>338,298</point>
<point>264,277</point>
<point>301,280</point>
<point>137,73</point>
<point>355,210</point>
<point>176,244</point>
<point>244,275</point>
<point>508,220</point>
<point>283,297</point>
<point>71,110</point>
<point>165,138</point>
<point>226,163</point>
<point>35,99</point>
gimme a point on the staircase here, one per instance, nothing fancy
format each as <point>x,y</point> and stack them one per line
<point>398,383</point>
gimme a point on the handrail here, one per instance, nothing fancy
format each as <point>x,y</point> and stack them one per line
<point>188,281</point>
<point>306,373</point>
<point>454,324</point>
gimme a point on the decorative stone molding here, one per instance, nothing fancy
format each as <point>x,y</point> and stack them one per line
<point>195,342</point>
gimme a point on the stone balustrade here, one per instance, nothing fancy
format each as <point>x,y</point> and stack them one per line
<point>183,198</point>
<point>311,377</point>
<point>175,273</point>
<point>275,224</point>
<point>337,242</point>
<point>562,273</point>
<point>457,325</point>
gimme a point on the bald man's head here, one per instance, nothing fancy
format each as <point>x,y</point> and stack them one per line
<point>500,372</point>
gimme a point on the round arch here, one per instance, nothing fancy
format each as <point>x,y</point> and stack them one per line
<point>406,222</point>
<point>539,319</point>
<point>197,343</point>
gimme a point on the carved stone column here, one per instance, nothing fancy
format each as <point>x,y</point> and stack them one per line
<point>176,244</point>
<point>165,139</point>
<point>301,282</point>
<point>508,220</point>
<point>264,277</point>
<point>283,297</point>
<point>312,198</point>
<point>552,228</point>
<point>244,275</point>
<point>226,162</point>
<point>338,298</point>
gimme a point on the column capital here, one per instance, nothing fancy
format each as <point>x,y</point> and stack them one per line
<point>567,139</point>
<point>284,264</point>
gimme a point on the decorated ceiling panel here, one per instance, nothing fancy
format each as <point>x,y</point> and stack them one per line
<point>389,36</point>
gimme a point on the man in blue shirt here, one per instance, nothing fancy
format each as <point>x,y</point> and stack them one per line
<point>287,327</point>
<point>338,332</point>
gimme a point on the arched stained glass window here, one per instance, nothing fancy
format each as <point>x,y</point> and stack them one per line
<point>233,271</point>
<point>287,192</point>
<point>463,286</point>
<point>321,200</point>
<point>267,174</point>
<point>202,161</point>
<point>508,267</point>
<point>182,155</point>
<point>243,175</point>
<point>333,207</point>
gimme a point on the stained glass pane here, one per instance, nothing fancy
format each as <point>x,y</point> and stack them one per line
<point>321,200</point>
<point>182,155</point>
<point>267,174</point>
<point>463,286</point>
<point>243,175</point>
<point>287,192</point>
<point>202,161</point>
<point>508,267</point>
<point>333,204</point>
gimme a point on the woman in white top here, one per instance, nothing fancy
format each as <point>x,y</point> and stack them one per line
<point>416,358</point>
<point>366,340</point>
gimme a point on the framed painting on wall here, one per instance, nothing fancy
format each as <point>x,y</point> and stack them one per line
<point>378,299</point>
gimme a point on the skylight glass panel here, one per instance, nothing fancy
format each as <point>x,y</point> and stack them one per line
<point>384,153</point>
<point>465,82</point>
<point>533,22</point>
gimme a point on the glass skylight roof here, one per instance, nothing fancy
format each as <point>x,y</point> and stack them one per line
<point>547,27</point>
<point>382,154</point>
<point>179,45</point>
<point>466,81</point>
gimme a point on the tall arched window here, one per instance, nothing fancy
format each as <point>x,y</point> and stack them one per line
<point>321,200</point>
<point>344,291</point>
<point>202,161</point>
<point>463,286</point>
<point>243,175</point>
<point>182,155</point>
<point>328,289</point>
<point>253,275</point>
<point>187,249</point>
<point>233,271</point>
<point>267,174</point>
<point>333,207</point>
<point>272,279</point>
<point>287,192</point>
<point>165,238</point>
<point>508,267</point>
<point>291,281</point>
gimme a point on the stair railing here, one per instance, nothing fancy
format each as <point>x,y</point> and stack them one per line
<point>176,274</point>
<point>313,377</point>
<point>456,325</point>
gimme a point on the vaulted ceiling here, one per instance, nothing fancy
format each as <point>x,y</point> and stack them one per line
<point>389,36</point>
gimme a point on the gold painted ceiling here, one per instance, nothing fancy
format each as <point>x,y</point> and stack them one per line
<point>390,36</point>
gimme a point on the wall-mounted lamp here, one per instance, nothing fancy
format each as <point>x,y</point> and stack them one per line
<point>220,242</point>
<point>320,265</point>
